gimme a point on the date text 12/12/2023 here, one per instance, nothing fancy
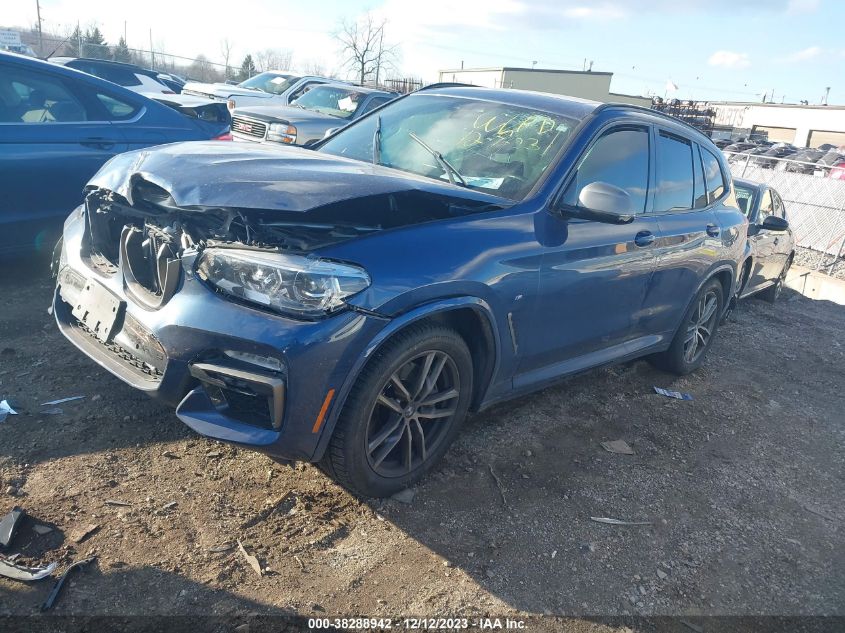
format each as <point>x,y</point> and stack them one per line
<point>417,624</point>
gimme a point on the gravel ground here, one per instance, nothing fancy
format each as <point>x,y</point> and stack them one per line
<point>816,260</point>
<point>742,488</point>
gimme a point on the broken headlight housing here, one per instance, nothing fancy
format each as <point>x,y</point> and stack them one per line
<point>293,285</point>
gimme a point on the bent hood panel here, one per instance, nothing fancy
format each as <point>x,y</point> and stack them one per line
<point>235,175</point>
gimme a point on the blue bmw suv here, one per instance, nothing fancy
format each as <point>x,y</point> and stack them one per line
<point>349,303</point>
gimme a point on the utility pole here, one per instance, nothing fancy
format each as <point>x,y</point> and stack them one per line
<point>40,33</point>
<point>79,39</point>
<point>380,50</point>
<point>152,54</point>
<point>125,41</point>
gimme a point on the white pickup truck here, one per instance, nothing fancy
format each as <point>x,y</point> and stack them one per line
<point>274,87</point>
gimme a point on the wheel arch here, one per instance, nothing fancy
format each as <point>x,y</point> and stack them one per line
<point>467,315</point>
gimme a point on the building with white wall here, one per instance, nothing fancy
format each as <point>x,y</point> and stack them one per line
<point>801,125</point>
<point>574,83</point>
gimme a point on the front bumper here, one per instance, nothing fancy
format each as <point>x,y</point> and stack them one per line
<point>234,373</point>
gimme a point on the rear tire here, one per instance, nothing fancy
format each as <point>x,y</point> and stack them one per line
<point>696,332</point>
<point>773,292</point>
<point>403,412</point>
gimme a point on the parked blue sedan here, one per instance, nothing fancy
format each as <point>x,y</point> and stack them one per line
<point>453,249</point>
<point>57,128</point>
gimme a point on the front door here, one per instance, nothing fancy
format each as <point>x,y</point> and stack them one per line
<point>593,275</point>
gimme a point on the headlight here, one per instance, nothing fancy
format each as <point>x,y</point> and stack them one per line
<point>281,133</point>
<point>290,284</point>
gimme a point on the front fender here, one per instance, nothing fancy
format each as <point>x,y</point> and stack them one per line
<point>400,322</point>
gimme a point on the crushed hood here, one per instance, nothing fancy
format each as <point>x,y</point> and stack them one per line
<point>256,176</point>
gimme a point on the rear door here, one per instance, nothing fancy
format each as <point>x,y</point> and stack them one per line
<point>783,241</point>
<point>53,138</point>
<point>689,233</point>
<point>764,244</point>
<point>593,275</point>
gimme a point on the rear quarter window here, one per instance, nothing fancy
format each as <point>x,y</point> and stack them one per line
<point>713,175</point>
<point>117,109</point>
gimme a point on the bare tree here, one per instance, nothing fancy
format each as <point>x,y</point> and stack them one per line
<point>273,59</point>
<point>226,52</point>
<point>312,67</point>
<point>363,47</point>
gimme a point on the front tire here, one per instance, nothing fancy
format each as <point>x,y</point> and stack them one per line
<point>403,412</point>
<point>696,333</point>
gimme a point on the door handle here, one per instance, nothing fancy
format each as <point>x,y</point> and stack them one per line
<point>98,142</point>
<point>713,230</point>
<point>644,238</point>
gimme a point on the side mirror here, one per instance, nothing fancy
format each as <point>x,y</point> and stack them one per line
<point>330,131</point>
<point>311,143</point>
<point>774,223</point>
<point>603,202</point>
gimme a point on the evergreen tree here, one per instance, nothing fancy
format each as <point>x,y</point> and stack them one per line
<point>121,52</point>
<point>94,44</point>
<point>71,46</point>
<point>247,68</point>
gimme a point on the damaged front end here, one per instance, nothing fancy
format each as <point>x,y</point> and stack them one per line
<point>205,278</point>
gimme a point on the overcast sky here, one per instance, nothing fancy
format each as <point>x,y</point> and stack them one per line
<point>714,49</point>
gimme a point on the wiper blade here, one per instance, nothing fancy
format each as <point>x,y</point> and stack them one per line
<point>377,142</point>
<point>451,172</point>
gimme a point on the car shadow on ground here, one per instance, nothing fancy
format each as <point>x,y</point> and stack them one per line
<point>725,519</point>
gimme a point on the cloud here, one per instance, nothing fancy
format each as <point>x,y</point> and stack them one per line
<point>803,55</point>
<point>729,59</point>
<point>794,7</point>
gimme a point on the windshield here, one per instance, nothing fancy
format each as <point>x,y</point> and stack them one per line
<point>338,102</point>
<point>274,83</point>
<point>499,148</point>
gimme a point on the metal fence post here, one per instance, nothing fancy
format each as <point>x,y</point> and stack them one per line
<point>745,168</point>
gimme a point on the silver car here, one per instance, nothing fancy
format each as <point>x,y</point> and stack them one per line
<point>275,87</point>
<point>320,109</point>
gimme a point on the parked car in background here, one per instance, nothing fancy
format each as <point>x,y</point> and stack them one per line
<point>276,87</point>
<point>771,245</point>
<point>130,76</point>
<point>208,110</point>
<point>348,304</point>
<point>57,128</point>
<point>837,169</point>
<point>322,108</point>
<point>769,158</point>
<point>802,161</point>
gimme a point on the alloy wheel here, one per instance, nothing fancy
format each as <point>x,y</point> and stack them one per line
<point>700,326</point>
<point>412,413</point>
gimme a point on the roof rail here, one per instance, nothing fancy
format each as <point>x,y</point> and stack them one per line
<point>658,113</point>
<point>446,84</point>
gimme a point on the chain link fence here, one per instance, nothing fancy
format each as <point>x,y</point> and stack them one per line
<point>814,196</point>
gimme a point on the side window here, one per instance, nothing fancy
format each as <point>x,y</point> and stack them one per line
<point>620,158</point>
<point>700,195</point>
<point>302,90</point>
<point>766,207</point>
<point>117,110</point>
<point>29,97</point>
<point>713,175</point>
<point>675,179</point>
<point>780,210</point>
<point>373,104</point>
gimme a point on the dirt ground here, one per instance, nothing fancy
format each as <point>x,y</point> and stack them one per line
<point>744,489</point>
